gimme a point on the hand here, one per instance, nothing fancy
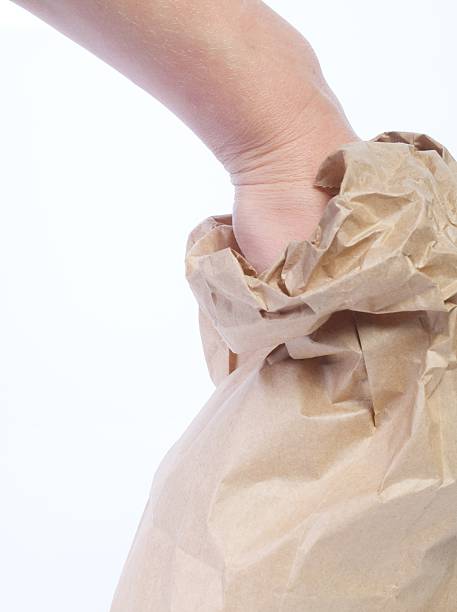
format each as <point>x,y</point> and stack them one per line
<point>275,200</point>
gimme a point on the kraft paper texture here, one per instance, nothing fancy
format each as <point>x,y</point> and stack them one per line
<point>320,476</point>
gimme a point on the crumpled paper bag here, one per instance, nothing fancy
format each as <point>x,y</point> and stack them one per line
<point>320,476</point>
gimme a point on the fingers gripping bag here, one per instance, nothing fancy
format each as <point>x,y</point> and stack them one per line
<point>320,476</point>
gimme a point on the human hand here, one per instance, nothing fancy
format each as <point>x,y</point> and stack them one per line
<point>275,199</point>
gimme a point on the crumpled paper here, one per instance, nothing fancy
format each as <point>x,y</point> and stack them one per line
<point>320,476</point>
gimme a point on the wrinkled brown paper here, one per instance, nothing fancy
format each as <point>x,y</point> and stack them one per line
<point>320,476</point>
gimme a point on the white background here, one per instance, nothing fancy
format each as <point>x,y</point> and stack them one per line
<point>101,366</point>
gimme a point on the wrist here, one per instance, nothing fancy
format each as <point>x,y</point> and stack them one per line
<point>293,155</point>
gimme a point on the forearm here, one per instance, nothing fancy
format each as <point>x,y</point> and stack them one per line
<point>234,71</point>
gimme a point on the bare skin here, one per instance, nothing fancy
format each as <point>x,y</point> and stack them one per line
<point>244,80</point>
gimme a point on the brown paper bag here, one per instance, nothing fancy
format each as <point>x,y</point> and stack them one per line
<point>320,476</point>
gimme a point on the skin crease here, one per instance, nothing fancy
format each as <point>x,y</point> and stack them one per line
<point>244,80</point>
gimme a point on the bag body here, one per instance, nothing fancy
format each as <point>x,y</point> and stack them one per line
<point>320,475</point>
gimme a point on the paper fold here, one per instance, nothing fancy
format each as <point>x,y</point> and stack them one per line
<point>387,242</point>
